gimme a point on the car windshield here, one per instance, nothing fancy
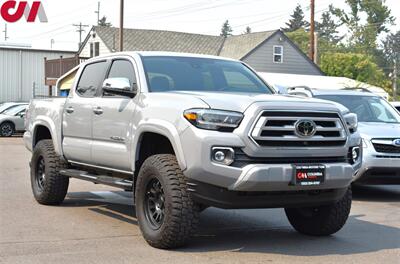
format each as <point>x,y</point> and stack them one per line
<point>14,110</point>
<point>367,108</point>
<point>166,73</point>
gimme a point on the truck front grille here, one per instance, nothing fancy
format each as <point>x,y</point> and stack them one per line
<point>278,129</point>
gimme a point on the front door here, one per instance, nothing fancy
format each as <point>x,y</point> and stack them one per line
<point>78,113</point>
<point>112,122</point>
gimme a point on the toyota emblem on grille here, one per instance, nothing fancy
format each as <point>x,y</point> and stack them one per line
<point>396,142</point>
<point>305,128</point>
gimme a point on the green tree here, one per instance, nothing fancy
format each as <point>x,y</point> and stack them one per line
<point>103,22</point>
<point>327,28</point>
<point>363,35</point>
<point>297,20</point>
<point>355,66</point>
<point>248,30</point>
<point>226,29</point>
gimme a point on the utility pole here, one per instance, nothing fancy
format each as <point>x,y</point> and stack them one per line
<point>395,78</point>
<point>316,48</point>
<point>80,30</point>
<point>98,13</point>
<point>5,32</point>
<point>312,30</point>
<point>121,26</point>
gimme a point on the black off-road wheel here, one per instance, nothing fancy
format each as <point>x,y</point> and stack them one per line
<point>323,220</point>
<point>166,213</point>
<point>7,129</point>
<point>48,186</point>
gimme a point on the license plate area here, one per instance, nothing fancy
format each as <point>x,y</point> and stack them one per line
<point>309,175</point>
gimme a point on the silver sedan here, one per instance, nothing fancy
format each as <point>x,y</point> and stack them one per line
<point>12,121</point>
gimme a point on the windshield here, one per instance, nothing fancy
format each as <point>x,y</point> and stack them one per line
<point>367,108</point>
<point>200,74</point>
<point>15,110</point>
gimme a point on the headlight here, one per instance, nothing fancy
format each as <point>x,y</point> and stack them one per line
<point>213,119</point>
<point>351,121</point>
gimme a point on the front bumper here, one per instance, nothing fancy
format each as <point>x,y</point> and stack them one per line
<point>197,145</point>
<point>378,168</point>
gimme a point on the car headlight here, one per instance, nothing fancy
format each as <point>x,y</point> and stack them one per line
<point>351,121</point>
<point>212,119</point>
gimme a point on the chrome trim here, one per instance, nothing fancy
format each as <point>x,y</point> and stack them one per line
<point>260,122</point>
<point>99,167</point>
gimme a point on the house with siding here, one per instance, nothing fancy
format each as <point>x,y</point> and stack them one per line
<point>267,51</point>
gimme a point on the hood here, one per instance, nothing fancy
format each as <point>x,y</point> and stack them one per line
<point>240,101</point>
<point>371,130</point>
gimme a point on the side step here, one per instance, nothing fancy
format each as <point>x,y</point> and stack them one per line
<point>98,179</point>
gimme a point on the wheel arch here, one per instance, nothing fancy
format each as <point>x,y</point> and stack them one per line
<point>161,131</point>
<point>42,129</point>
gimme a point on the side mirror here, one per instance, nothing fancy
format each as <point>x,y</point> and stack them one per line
<point>21,115</point>
<point>119,86</point>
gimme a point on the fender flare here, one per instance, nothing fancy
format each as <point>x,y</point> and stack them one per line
<point>163,128</point>
<point>49,124</point>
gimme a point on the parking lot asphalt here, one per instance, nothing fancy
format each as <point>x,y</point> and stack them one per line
<point>96,224</point>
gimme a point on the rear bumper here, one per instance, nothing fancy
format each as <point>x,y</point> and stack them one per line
<point>28,140</point>
<point>212,195</point>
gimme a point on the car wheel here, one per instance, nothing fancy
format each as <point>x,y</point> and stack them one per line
<point>48,186</point>
<point>321,220</point>
<point>7,129</point>
<point>166,213</point>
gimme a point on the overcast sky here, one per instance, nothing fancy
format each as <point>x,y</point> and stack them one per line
<point>196,16</point>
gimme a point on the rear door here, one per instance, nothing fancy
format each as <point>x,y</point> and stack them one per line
<point>112,121</point>
<point>78,113</point>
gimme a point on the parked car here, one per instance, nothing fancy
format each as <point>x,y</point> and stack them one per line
<point>185,132</point>
<point>12,120</point>
<point>8,105</point>
<point>379,126</point>
<point>396,105</point>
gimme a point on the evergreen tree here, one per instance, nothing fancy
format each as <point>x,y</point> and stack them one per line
<point>327,28</point>
<point>248,30</point>
<point>226,29</point>
<point>297,20</point>
<point>103,22</point>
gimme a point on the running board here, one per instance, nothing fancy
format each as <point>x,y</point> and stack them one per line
<point>98,179</point>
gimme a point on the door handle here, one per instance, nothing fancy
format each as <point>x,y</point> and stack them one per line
<point>69,110</point>
<point>98,110</point>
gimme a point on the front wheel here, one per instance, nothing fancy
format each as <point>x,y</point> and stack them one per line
<point>166,213</point>
<point>321,220</point>
<point>7,129</point>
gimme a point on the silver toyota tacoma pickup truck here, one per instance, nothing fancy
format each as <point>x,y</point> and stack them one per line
<point>185,132</point>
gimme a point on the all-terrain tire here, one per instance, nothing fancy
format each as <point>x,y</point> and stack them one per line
<point>7,129</point>
<point>48,186</point>
<point>323,220</point>
<point>180,215</point>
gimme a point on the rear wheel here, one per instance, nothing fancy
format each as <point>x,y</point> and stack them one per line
<point>322,220</point>
<point>7,129</point>
<point>48,186</point>
<point>166,214</point>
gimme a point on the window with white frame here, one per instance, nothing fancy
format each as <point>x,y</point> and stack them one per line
<point>278,54</point>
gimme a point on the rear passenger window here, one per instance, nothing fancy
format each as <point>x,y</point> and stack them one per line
<point>122,69</point>
<point>91,79</point>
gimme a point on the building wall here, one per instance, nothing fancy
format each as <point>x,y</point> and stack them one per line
<point>85,53</point>
<point>19,69</point>
<point>261,59</point>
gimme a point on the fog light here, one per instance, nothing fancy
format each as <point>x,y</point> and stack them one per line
<point>219,156</point>
<point>222,155</point>
<point>355,153</point>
